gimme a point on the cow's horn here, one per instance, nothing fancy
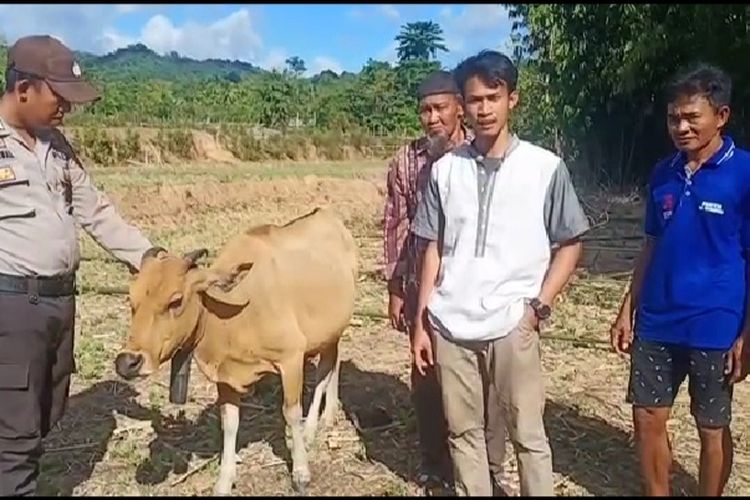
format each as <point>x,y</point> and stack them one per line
<point>192,257</point>
<point>151,253</point>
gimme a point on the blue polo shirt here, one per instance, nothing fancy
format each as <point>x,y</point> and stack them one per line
<point>694,288</point>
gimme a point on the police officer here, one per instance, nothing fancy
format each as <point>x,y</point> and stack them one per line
<point>44,192</point>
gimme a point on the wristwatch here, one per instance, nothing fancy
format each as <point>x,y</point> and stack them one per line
<point>542,311</point>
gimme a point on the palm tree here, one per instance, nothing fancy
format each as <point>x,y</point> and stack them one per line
<point>420,40</point>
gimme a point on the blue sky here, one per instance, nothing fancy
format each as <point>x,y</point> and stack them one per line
<point>327,36</point>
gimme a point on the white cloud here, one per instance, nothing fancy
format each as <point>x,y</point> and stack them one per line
<point>476,27</point>
<point>388,54</point>
<point>80,26</point>
<point>276,59</point>
<point>111,40</point>
<point>389,11</point>
<point>127,8</point>
<point>232,37</point>
<point>322,63</point>
<point>454,41</point>
<point>483,17</point>
<point>91,28</point>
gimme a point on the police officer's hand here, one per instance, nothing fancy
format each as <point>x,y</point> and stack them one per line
<point>621,334</point>
<point>738,359</point>
<point>421,348</point>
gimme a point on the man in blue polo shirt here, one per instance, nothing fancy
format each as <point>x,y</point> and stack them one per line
<point>689,287</point>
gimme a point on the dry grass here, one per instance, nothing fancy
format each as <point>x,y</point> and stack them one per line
<point>127,439</point>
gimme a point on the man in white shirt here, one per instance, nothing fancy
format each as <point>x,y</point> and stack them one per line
<point>491,212</point>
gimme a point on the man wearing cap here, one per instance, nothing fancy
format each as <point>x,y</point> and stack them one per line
<point>440,114</point>
<point>44,191</point>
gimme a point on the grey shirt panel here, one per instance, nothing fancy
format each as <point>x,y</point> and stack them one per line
<point>487,168</point>
<point>564,217</point>
<point>428,220</point>
<point>486,176</point>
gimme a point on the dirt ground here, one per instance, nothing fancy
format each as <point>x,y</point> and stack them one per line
<point>127,439</point>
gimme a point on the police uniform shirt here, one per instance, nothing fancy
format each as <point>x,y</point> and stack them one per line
<point>38,231</point>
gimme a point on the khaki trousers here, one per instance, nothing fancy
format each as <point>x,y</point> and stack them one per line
<point>497,383</point>
<point>432,427</point>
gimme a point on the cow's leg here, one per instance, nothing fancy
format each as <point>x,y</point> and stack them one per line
<point>323,375</point>
<point>229,407</point>
<point>332,391</point>
<point>292,373</point>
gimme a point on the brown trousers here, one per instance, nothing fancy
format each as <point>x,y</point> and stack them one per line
<point>488,386</point>
<point>36,361</point>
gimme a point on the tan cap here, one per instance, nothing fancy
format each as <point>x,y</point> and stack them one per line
<point>47,58</point>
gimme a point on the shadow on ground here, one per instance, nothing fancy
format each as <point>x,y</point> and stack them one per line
<point>598,456</point>
<point>587,450</point>
<point>378,405</point>
<point>80,441</point>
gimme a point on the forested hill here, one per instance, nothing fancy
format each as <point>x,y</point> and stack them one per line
<point>594,92</point>
<point>141,63</point>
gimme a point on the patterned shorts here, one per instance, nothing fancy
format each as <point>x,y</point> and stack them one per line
<point>657,371</point>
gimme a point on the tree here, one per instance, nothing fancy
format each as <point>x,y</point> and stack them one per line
<point>276,100</point>
<point>296,65</point>
<point>604,67</point>
<point>410,75</point>
<point>420,40</point>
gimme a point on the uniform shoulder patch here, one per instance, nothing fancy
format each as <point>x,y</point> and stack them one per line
<point>7,174</point>
<point>58,155</point>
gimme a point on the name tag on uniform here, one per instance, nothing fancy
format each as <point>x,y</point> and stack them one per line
<point>7,174</point>
<point>59,156</point>
<point>6,154</point>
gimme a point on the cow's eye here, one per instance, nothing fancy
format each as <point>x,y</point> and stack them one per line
<point>176,302</point>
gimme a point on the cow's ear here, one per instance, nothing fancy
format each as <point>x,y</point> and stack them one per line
<point>231,288</point>
<point>234,288</point>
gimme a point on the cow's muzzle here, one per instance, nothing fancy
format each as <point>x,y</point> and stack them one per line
<point>128,365</point>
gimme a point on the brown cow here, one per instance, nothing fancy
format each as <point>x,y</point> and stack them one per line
<point>291,296</point>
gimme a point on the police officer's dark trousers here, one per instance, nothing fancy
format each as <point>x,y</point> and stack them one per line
<point>36,361</point>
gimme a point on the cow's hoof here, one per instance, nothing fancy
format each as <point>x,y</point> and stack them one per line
<point>222,490</point>
<point>300,481</point>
